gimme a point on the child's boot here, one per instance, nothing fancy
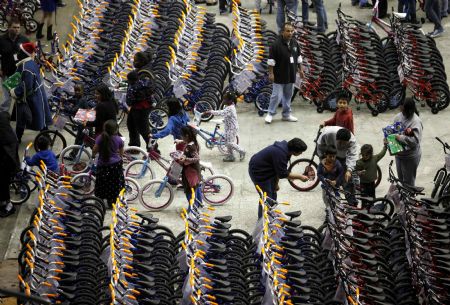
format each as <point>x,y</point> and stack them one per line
<point>39,31</point>
<point>229,158</point>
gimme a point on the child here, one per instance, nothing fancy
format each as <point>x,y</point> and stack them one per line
<point>343,116</point>
<point>366,168</point>
<point>330,171</point>
<point>231,126</point>
<point>109,178</point>
<point>44,154</point>
<point>190,160</point>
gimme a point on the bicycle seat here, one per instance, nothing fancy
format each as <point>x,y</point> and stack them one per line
<point>294,214</point>
<point>296,258</point>
<point>227,298</point>
<point>431,201</point>
<point>66,295</point>
<point>224,218</point>
<point>293,229</point>
<point>150,301</point>
<point>206,165</point>
<point>288,243</point>
<point>221,225</point>
<point>293,223</point>
<point>222,275</point>
<point>292,251</point>
<point>221,283</point>
<point>147,292</point>
<point>301,288</point>
<point>217,261</point>
<point>294,235</point>
<point>218,122</point>
<point>297,273</point>
<point>147,278</point>
<point>298,280</point>
<point>149,218</point>
<point>221,233</point>
<point>147,249</point>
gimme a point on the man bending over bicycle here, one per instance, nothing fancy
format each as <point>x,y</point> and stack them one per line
<point>269,165</point>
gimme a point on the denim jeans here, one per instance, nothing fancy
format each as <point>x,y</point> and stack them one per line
<point>291,5</point>
<point>409,8</point>
<point>322,23</point>
<point>6,101</point>
<point>281,93</point>
<point>305,11</point>
<point>433,11</point>
<point>268,187</point>
<point>444,8</point>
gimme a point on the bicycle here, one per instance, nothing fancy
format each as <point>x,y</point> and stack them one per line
<point>23,183</point>
<point>308,167</point>
<point>211,187</point>
<point>85,184</point>
<point>442,176</point>
<point>212,139</point>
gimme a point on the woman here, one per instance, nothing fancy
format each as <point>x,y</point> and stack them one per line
<point>408,160</point>
<point>177,119</point>
<point>48,8</point>
<point>32,109</point>
<point>190,160</point>
<point>140,90</point>
<point>9,163</point>
<point>109,180</point>
<point>105,110</point>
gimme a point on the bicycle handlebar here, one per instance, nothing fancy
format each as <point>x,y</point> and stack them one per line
<point>444,144</point>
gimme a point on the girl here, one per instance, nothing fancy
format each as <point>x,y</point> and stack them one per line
<point>105,110</point>
<point>177,119</point>
<point>408,160</point>
<point>48,8</point>
<point>109,173</point>
<point>231,126</point>
<point>190,160</point>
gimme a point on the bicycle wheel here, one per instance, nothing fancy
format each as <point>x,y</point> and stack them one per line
<point>75,159</point>
<point>158,118</point>
<point>156,195</point>
<point>222,146</point>
<point>383,205</point>
<point>379,176</point>
<point>438,180</point>
<point>132,153</point>
<point>262,101</point>
<point>85,183</point>
<point>132,189</point>
<point>139,170</point>
<point>217,189</point>
<point>57,141</point>
<point>305,167</point>
<point>202,106</point>
<point>19,192</point>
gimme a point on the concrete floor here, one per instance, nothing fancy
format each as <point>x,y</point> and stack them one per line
<point>255,135</point>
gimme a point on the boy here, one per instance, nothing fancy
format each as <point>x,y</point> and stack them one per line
<point>44,154</point>
<point>343,116</point>
<point>366,168</point>
<point>330,171</point>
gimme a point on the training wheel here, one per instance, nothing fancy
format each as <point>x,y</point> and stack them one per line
<point>374,112</point>
<point>260,112</point>
<point>319,109</point>
<point>434,110</point>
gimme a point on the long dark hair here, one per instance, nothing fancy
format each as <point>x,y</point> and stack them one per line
<point>106,95</point>
<point>174,106</point>
<point>190,134</point>
<point>110,128</point>
<point>409,108</point>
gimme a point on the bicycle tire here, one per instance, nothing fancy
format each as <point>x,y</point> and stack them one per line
<point>203,106</point>
<point>147,195</point>
<point>31,25</point>
<point>158,118</point>
<point>132,153</point>
<point>262,101</point>
<point>212,187</point>
<point>86,182</point>
<point>438,179</point>
<point>57,141</point>
<point>222,146</point>
<point>310,169</point>
<point>379,176</point>
<point>135,170</point>
<point>19,192</point>
<point>132,189</point>
<point>389,207</point>
<point>78,164</point>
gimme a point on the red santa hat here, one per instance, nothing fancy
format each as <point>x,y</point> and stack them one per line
<point>28,48</point>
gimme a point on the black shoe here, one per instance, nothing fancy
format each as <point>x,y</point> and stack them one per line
<point>4,213</point>
<point>50,32</point>
<point>60,4</point>
<point>311,6</point>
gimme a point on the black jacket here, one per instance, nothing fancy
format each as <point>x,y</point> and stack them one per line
<point>7,50</point>
<point>270,163</point>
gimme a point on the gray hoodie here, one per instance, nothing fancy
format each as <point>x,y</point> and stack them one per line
<point>328,138</point>
<point>411,143</point>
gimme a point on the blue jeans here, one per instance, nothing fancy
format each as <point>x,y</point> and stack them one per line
<point>408,7</point>
<point>305,11</point>
<point>433,12</point>
<point>268,187</point>
<point>291,5</point>
<point>281,93</point>
<point>322,23</point>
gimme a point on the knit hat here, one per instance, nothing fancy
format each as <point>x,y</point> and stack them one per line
<point>28,48</point>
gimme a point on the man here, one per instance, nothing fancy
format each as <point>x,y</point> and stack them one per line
<point>9,48</point>
<point>433,12</point>
<point>344,142</point>
<point>290,5</point>
<point>269,165</point>
<point>284,57</point>
<point>322,22</point>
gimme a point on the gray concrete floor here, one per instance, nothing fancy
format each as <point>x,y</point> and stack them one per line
<point>255,135</point>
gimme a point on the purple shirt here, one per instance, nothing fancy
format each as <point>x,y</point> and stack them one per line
<point>116,145</point>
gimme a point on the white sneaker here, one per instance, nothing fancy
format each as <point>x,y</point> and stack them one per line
<point>268,119</point>
<point>290,119</point>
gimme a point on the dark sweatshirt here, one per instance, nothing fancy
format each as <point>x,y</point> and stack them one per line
<point>270,163</point>
<point>370,167</point>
